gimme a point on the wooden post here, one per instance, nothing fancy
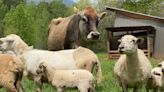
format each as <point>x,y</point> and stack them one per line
<point>148,44</point>
<point>108,45</point>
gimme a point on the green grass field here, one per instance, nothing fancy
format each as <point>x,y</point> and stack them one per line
<point>108,83</point>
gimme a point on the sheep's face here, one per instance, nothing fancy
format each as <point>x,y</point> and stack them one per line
<point>6,44</point>
<point>161,65</point>
<point>41,69</point>
<point>129,44</point>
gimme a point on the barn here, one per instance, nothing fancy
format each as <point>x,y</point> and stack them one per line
<point>151,28</point>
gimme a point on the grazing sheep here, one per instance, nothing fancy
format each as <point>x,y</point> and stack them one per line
<point>155,80</point>
<point>132,69</point>
<point>82,79</point>
<point>11,70</point>
<point>79,58</point>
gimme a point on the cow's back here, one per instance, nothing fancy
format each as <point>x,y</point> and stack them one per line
<point>57,34</point>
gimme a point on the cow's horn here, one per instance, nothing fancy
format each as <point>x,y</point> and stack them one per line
<point>75,9</point>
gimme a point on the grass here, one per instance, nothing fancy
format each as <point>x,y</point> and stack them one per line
<point>108,83</point>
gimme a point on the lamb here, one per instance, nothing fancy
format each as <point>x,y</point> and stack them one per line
<point>60,79</point>
<point>155,80</point>
<point>132,69</point>
<point>11,73</point>
<point>79,58</point>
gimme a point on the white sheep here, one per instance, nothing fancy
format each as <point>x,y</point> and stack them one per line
<point>161,87</point>
<point>11,71</point>
<point>155,80</point>
<point>79,58</point>
<point>132,69</point>
<point>60,79</point>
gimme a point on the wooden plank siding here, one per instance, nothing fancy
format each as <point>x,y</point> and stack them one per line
<point>124,18</point>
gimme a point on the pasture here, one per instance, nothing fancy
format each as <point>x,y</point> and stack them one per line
<point>108,83</point>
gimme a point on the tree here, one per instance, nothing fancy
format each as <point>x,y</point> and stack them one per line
<point>19,21</point>
<point>58,9</point>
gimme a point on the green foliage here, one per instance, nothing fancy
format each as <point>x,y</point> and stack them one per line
<point>30,21</point>
<point>19,21</point>
<point>143,6</point>
<point>58,9</point>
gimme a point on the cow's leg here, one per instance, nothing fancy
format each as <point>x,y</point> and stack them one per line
<point>124,87</point>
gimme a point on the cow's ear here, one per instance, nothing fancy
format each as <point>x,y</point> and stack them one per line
<point>75,9</point>
<point>102,15</point>
<point>140,40</point>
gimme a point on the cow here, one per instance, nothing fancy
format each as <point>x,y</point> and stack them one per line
<point>65,33</point>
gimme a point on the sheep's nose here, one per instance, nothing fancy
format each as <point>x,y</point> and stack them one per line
<point>162,69</point>
<point>121,47</point>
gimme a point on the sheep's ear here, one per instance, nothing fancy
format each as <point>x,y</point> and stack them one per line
<point>10,41</point>
<point>1,41</point>
<point>159,65</point>
<point>42,65</point>
<point>102,15</point>
<point>157,73</point>
<point>119,40</point>
<point>140,40</point>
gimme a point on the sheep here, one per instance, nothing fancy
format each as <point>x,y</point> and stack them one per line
<point>132,69</point>
<point>60,79</point>
<point>11,73</point>
<point>79,58</point>
<point>155,80</point>
<point>161,65</point>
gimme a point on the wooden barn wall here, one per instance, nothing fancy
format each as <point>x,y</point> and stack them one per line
<point>123,21</point>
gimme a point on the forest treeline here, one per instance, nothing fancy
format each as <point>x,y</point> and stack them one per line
<point>30,20</point>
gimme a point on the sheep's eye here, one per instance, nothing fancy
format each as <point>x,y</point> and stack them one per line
<point>157,74</point>
<point>159,65</point>
<point>40,67</point>
<point>133,41</point>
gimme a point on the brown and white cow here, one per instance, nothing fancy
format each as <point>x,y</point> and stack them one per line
<point>64,33</point>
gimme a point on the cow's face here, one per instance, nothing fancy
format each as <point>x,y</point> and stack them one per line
<point>89,22</point>
<point>129,44</point>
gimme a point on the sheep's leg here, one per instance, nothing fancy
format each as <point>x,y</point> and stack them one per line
<point>155,90</point>
<point>135,89</point>
<point>19,85</point>
<point>147,89</point>
<point>59,89</point>
<point>38,86</point>
<point>11,88</point>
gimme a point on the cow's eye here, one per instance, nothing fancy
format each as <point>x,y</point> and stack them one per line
<point>85,19</point>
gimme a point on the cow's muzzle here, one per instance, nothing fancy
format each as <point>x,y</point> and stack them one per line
<point>93,35</point>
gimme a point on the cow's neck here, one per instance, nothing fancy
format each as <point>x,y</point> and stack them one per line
<point>72,34</point>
